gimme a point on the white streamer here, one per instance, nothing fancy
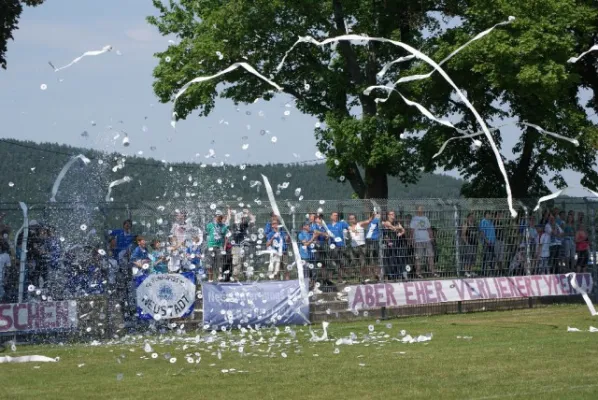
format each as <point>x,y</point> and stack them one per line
<point>200,79</point>
<point>476,37</point>
<point>63,172</point>
<point>390,64</point>
<point>324,337</point>
<point>116,183</point>
<point>428,60</point>
<point>23,359</point>
<point>476,142</point>
<point>556,135</point>
<point>298,260</point>
<point>429,115</point>
<point>584,294</point>
<point>558,193</point>
<point>573,60</point>
<point>105,49</point>
<point>549,197</point>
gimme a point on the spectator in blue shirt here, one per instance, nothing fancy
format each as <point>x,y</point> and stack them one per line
<point>140,256</point>
<point>277,241</point>
<point>336,252</point>
<point>194,253</point>
<point>306,249</point>
<point>372,237</point>
<point>488,238</point>
<point>268,227</point>
<point>124,238</point>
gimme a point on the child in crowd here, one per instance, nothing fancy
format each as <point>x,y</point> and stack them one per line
<point>140,256</point>
<point>158,257</point>
<point>194,255</point>
<point>174,252</point>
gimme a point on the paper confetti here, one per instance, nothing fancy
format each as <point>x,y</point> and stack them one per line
<point>200,79</point>
<point>573,60</point>
<point>105,49</point>
<point>63,172</point>
<point>428,60</point>
<point>116,183</point>
<point>24,359</point>
<point>584,294</point>
<point>575,142</point>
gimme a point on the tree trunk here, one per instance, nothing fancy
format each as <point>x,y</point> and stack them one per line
<point>522,176</point>
<point>376,183</point>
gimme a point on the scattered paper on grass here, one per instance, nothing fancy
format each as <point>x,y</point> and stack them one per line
<point>24,359</point>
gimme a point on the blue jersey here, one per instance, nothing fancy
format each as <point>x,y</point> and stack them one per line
<point>278,241</point>
<point>338,229</point>
<point>194,255</point>
<point>139,254</point>
<point>123,240</point>
<point>313,227</point>
<point>305,252</point>
<point>373,231</point>
<point>487,228</point>
<point>267,229</point>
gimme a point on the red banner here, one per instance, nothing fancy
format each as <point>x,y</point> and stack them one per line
<point>27,317</point>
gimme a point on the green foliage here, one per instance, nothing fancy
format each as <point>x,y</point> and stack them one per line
<point>521,72</point>
<point>518,72</point>
<point>10,12</point>
<point>326,82</point>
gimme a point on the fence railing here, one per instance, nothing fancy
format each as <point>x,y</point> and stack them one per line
<point>79,250</point>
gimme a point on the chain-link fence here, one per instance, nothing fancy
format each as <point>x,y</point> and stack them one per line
<point>75,250</point>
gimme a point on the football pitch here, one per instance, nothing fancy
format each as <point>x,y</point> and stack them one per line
<point>523,354</point>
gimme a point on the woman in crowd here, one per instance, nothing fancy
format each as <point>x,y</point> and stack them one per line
<point>371,240</point>
<point>469,245</point>
<point>582,247</point>
<point>358,253</point>
<point>392,230</point>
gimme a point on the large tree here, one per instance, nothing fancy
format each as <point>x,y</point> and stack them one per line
<point>10,12</point>
<point>362,138</point>
<point>521,74</point>
<point>518,72</point>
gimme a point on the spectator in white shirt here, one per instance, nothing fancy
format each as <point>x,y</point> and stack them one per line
<point>358,247</point>
<point>183,230</point>
<point>422,238</point>
<point>544,246</point>
<point>555,233</point>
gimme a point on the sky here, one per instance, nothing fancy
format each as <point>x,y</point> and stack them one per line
<point>113,92</point>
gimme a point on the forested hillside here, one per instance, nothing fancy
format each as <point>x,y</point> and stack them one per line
<point>29,171</point>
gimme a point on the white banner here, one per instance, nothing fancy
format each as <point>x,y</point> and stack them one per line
<point>165,296</point>
<point>34,317</point>
<point>368,297</point>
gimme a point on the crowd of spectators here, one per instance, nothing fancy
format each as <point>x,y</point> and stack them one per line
<point>233,246</point>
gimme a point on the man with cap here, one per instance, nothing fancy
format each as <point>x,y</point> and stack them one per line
<point>217,232</point>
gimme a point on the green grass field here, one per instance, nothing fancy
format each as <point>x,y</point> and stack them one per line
<point>525,354</point>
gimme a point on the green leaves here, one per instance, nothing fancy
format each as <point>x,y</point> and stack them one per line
<point>519,71</point>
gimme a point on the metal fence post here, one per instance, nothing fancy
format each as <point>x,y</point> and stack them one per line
<point>457,258</point>
<point>528,261</point>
